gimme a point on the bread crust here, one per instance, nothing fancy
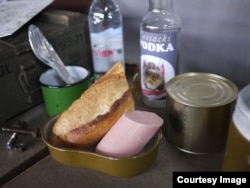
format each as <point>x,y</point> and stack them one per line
<point>90,117</point>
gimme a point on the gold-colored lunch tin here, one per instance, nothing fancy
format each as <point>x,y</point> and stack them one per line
<point>121,167</point>
<point>198,111</point>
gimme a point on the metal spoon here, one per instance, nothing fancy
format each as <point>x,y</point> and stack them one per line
<point>45,52</point>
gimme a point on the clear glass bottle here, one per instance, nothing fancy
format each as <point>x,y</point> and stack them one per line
<point>159,41</point>
<point>106,34</point>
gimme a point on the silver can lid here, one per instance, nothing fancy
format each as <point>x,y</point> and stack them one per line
<point>202,90</point>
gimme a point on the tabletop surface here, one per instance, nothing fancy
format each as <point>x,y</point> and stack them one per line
<point>36,168</point>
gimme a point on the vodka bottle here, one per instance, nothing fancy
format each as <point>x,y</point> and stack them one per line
<point>106,34</point>
<point>159,41</point>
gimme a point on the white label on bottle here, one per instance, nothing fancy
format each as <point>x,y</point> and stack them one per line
<point>107,49</point>
<point>158,62</point>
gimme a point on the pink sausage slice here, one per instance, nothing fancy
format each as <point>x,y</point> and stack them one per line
<point>129,134</point>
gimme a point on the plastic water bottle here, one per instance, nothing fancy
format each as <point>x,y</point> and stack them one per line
<point>106,34</point>
<point>159,41</point>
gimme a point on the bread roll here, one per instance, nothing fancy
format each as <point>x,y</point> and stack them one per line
<point>91,116</point>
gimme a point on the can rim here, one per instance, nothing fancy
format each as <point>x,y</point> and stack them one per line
<point>223,91</point>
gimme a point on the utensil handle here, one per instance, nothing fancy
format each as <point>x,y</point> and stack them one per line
<point>63,72</point>
<point>59,66</point>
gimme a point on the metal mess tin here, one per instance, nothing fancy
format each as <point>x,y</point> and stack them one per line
<point>198,111</point>
<point>120,167</point>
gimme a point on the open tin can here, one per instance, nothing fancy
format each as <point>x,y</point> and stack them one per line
<point>198,111</point>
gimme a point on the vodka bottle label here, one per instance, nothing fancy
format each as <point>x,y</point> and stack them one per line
<point>158,62</point>
<point>107,49</point>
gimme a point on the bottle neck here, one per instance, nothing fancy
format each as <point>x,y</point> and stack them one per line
<point>103,1</point>
<point>160,5</point>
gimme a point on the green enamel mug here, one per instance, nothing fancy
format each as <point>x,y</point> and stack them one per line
<point>57,95</point>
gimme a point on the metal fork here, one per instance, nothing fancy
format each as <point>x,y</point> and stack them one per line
<point>46,53</point>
